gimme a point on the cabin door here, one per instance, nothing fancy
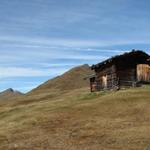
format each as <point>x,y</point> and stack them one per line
<point>104,81</point>
<point>143,72</point>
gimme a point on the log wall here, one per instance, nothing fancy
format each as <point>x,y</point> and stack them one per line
<point>127,77</point>
<point>107,78</point>
<point>114,77</point>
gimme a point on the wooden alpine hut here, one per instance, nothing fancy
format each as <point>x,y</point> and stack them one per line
<point>127,70</point>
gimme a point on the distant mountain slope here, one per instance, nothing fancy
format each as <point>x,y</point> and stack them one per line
<point>9,94</point>
<point>73,79</point>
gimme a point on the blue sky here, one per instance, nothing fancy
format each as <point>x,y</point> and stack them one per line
<point>40,39</point>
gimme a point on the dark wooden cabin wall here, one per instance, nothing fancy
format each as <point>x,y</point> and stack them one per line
<point>108,74</point>
<point>120,77</point>
<point>127,77</point>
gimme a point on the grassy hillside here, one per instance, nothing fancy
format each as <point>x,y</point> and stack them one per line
<point>78,120</point>
<point>70,80</point>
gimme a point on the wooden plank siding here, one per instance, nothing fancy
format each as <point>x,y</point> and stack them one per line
<point>107,78</point>
<point>143,72</point>
<point>127,77</point>
<point>115,78</point>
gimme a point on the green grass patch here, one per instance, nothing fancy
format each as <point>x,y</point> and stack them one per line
<point>93,95</point>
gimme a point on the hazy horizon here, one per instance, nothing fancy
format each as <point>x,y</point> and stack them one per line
<point>41,39</point>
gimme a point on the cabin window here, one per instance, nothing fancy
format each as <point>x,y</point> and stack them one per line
<point>143,72</point>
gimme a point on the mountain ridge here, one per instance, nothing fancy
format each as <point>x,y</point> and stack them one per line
<point>10,94</point>
<point>72,79</point>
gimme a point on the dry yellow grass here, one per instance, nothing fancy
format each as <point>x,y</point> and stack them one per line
<point>78,120</point>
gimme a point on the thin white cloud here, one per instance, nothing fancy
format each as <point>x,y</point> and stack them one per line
<point>28,42</point>
<point>28,72</point>
<point>37,56</point>
<point>57,65</point>
<point>50,41</point>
